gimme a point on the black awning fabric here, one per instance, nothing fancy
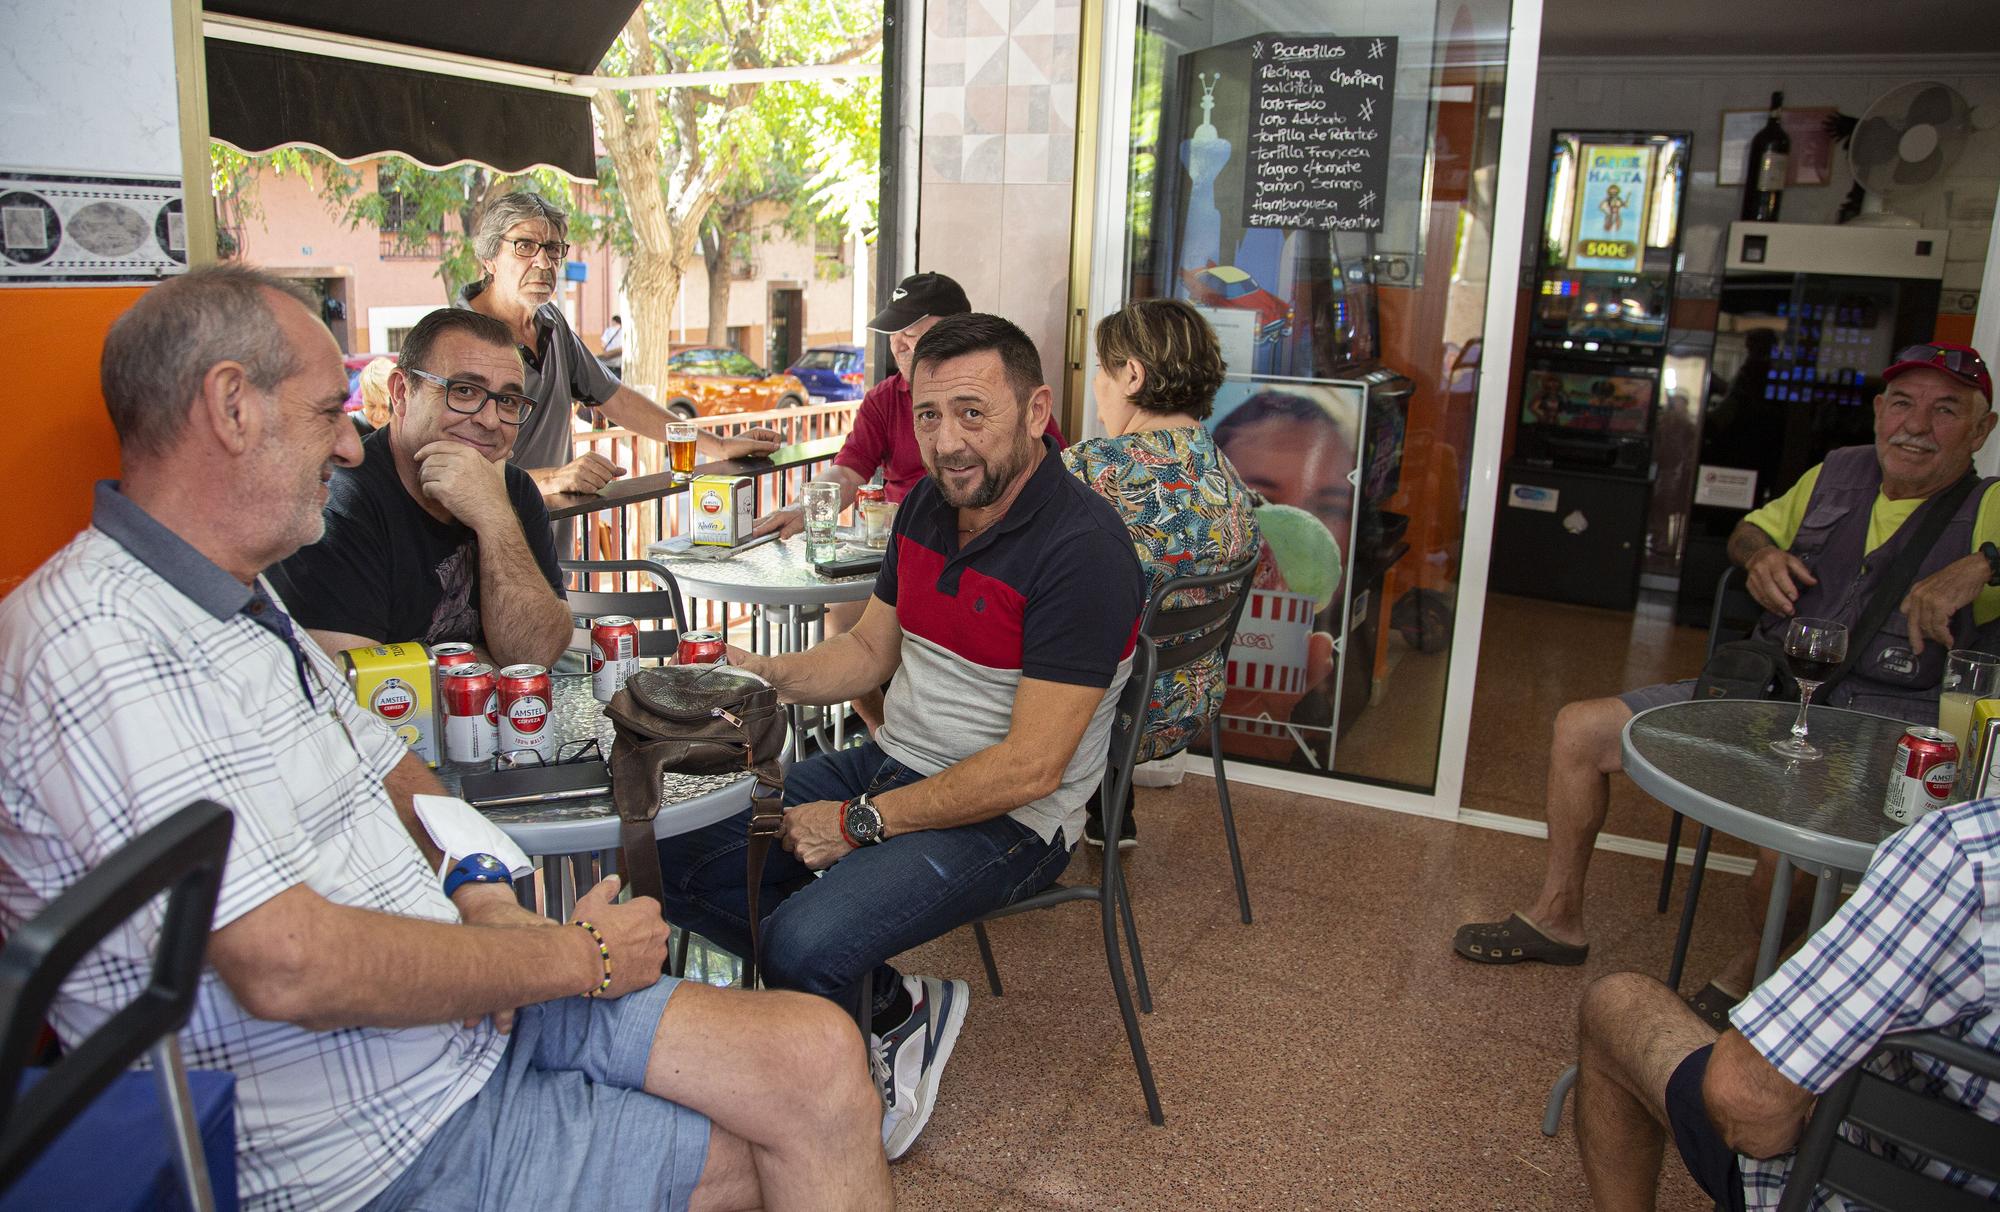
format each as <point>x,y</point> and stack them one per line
<point>260,98</point>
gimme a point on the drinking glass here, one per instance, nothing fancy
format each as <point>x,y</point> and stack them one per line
<point>680,450</point>
<point>1968,677</point>
<point>1813,648</point>
<point>822,513</point>
<point>878,518</point>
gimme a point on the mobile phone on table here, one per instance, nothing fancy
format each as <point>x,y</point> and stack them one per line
<point>849,566</point>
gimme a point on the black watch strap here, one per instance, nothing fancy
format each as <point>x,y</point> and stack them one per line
<point>1992,554</point>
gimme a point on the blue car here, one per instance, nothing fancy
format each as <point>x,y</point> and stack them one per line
<point>831,372</point>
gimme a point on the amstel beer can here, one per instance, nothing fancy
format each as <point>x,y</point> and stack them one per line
<point>447,655</point>
<point>614,654</point>
<point>471,712</point>
<point>397,683</point>
<point>1921,779</point>
<point>701,648</point>
<point>523,702</point>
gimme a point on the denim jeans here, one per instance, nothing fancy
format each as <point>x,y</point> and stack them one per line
<point>822,935</point>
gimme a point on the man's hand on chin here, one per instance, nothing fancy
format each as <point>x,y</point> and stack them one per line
<point>813,834</point>
<point>463,480</point>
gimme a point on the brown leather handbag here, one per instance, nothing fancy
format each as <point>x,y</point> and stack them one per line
<point>695,719</point>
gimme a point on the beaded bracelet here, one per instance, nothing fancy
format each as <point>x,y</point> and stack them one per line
<point>603,954</point>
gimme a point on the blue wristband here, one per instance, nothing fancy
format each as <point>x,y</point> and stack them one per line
<point>476,869</point>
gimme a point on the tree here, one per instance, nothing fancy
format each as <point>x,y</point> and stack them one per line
<point>673,151</point>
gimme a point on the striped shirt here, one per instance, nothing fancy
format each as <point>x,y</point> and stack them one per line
<point>1917,947</point>
<point>137,677</point>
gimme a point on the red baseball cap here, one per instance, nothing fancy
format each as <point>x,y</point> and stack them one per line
<point>1961,362</point>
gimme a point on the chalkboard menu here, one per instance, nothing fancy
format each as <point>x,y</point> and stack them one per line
<point>1319,132</point>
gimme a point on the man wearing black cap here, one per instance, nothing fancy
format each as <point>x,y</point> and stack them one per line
<point>884,435</point>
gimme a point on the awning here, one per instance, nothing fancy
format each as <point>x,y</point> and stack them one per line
<point>439,81</point>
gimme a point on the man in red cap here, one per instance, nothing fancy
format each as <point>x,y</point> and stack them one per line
<point>884,436</point>
<point>1816,551</point>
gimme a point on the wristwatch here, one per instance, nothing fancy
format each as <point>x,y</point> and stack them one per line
<point>1992,554</point>
<point>476,869</point>
<point>861,822</point>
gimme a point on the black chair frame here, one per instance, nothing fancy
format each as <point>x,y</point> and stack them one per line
<point>1937,1129</point>
<point>640,604</point>
<point>181,856</point>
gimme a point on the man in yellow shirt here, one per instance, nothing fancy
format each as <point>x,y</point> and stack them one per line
<point>1808,552</point>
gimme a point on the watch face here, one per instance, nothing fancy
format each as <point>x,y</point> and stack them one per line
<point>863,822</point>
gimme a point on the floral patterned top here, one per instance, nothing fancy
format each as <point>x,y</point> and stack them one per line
<point>1189,514</point>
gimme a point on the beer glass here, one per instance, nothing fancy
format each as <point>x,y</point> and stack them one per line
<point>1968,677</point>
<point>1813,649</point>
<point>822,514</point>
<point>680,450</point>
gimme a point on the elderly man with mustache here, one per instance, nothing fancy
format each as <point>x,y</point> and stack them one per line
<point>1817,551</point>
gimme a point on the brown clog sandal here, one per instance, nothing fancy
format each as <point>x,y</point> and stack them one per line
<point>1713,1003</point>
<point>1514,941</point>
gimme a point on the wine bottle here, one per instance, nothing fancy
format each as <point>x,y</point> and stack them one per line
<point>1770,159</point>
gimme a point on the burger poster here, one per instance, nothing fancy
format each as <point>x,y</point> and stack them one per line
<point>1610,228</point>
<point>1294,442</point>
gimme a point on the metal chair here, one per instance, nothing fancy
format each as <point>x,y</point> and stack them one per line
<point>1127,725</point>
<point>181,856</point>
<point>653,605</point>
<point>1914,1121</point>
<point>1170,628</point>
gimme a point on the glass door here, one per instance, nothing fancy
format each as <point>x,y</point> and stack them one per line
<point>1325,182</point>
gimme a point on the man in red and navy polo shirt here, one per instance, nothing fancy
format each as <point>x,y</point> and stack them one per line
<point>1007,607</point>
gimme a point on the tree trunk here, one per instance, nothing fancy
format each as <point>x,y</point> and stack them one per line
<point>715,257</point>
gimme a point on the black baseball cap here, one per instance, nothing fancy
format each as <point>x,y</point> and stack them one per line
<point>917,296</point>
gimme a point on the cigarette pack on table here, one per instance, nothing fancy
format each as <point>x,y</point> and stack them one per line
<point>721,509</point>
<point>398,683</point>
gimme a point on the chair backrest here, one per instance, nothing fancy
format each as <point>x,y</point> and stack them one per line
<point>1179,633</point>
<point>656,605</point>
<point>1936,1128</point>
<point>1128,727</point>
<point>1735,613</point>
<point>181,856</point>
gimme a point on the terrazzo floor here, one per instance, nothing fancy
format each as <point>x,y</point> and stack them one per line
<point>1334,1055</point>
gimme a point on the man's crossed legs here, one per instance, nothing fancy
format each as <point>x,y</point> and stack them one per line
<point>676,1097</point>
<point>823,933</point>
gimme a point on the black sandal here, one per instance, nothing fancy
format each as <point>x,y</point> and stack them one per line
<point>1514,941</point>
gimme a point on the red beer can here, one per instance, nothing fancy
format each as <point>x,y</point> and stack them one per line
<point>614,654</point>
<point>701,648</point>
<point>1921,779</point>
<point>871,492</point>
<point>523,701</point>
<point>447,655</point>
<point>471,712</point>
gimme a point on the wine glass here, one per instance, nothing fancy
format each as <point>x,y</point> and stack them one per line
<point>1813,649</point>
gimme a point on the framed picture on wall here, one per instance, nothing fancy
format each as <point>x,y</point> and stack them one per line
<point>1812,144</point>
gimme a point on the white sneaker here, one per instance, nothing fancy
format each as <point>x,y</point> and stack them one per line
<point>908,1061</point>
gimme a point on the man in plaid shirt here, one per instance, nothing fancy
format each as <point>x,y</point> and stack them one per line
<point>363,1005</point>
<point>1918,947</point>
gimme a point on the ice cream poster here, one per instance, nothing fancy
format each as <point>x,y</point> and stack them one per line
<point>1294,442</point>
<point>1611,207</point>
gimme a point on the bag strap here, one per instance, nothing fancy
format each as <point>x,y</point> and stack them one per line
<point>1902,573</point>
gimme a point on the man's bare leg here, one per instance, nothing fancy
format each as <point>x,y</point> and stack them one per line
<point>1632,1033</point>
<point>1740,973</point>
<point>842,616</point>
<point>1582,756</point>
<point>784,1079</point>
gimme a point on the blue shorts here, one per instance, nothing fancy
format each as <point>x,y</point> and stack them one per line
<point>1712,1162</point>
<point>563,1122</point>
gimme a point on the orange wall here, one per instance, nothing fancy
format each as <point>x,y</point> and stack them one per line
<point>59,440</point>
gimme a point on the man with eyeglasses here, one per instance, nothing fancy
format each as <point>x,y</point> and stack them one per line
<point>1817,551</point>
<point>436,537</point>
<point>521,245</point>
<point>398,1030</point>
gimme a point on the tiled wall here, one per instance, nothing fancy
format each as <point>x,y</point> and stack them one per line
<point>999,141</point>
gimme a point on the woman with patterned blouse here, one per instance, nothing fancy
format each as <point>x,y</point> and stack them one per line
<point>1158,368</point>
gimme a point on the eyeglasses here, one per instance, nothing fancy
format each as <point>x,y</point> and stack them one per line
<point>526,249</point>
<point>1957,361</point>
<point>582,750</point>
<point>466,397</point>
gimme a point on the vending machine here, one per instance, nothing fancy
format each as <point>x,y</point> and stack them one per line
<point>1809,317</point>
<point>1572,519</point>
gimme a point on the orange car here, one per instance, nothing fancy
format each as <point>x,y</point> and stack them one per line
<point>709,380</point>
